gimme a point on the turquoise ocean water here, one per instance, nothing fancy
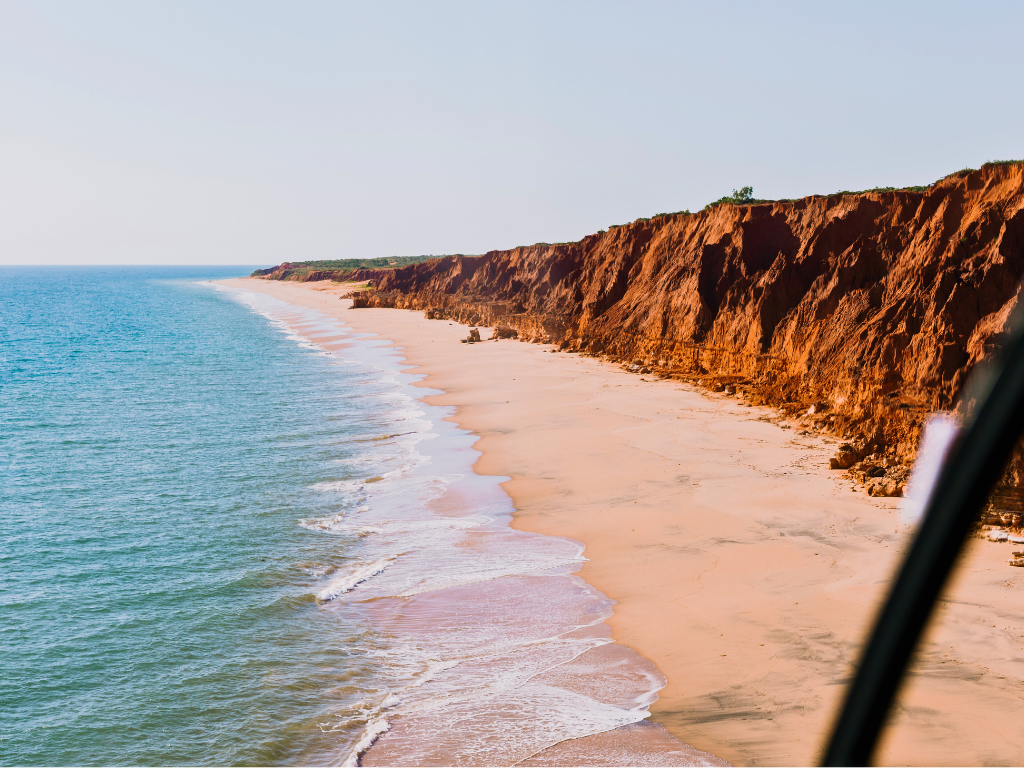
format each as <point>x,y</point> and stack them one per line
<point>224,541</point>
<point>158,447</point>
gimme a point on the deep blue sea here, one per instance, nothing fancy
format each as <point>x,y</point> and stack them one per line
<point>223,542</point>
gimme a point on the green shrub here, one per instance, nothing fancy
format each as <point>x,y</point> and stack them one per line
<point>878,189</point>
<point>743,196</point>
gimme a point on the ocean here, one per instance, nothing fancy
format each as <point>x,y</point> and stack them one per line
<point>231,532</point>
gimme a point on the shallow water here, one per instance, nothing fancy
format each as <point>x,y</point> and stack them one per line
<point>233,533</point>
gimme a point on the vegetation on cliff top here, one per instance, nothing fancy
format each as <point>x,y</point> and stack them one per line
<point>300,268</point>
<point>742,196</point>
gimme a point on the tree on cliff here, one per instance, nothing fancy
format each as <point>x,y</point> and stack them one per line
<point>744,196</point>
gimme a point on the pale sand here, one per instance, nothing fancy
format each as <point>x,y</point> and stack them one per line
<point>742,566</point>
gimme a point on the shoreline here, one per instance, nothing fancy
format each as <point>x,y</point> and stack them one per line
<point>741,567</point>
<point>557,689</point>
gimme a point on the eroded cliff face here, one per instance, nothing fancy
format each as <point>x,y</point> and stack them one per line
<point>872,307</point>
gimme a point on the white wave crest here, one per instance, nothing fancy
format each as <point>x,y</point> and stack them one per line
<point>374,730</point>
<point>346,581</point>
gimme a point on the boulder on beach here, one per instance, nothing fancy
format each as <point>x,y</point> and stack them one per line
<point>886,488</point>
<point>845,457</point>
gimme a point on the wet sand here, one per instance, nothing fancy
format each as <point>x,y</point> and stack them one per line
<point>743,568</point>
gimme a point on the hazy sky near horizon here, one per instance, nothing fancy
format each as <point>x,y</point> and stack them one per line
<point>251,132</point>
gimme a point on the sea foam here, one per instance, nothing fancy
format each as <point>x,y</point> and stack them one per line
<point>348,580</point>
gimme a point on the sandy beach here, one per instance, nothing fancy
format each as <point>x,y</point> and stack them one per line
<point>741,566</point>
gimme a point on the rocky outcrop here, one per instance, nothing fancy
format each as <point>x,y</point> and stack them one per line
<point>879,474</point>
<point>861,312</point>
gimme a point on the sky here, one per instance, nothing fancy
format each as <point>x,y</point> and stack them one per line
<point>259,132</point>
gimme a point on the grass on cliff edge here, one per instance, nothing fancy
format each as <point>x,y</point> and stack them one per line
<point>340,265</point>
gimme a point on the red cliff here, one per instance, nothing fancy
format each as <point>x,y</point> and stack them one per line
<point>873,306</point>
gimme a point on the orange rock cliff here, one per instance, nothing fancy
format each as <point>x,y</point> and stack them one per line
<point>860,312</point>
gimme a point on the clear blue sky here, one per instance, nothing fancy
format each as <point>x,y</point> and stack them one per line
<point>254,132</point>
